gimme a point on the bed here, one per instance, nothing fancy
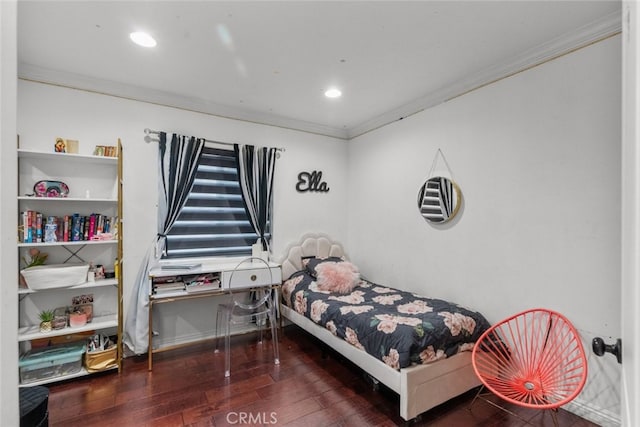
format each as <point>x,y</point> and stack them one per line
<point>424,373</point>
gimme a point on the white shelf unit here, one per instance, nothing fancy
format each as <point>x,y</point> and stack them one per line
<point>95,186</point>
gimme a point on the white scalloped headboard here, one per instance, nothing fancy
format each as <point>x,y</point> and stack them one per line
<point>314,244</point>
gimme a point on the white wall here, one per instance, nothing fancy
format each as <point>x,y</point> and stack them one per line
<point>9,413</point>
<point>537,157</point>
<point>46,112</point>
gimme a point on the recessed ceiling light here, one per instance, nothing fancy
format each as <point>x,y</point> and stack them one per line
<point>143,39</point>
<point>333,93</point>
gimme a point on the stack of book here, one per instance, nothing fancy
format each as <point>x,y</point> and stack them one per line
<point>167,285</point>
<point>202,286</point>
<point>202,283</point>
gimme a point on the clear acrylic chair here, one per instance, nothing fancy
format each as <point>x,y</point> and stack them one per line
<point>259,308</point>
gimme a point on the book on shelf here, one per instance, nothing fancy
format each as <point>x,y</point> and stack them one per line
<point>38,227</point>
<point>65,228</point>
<point>75,227</point>
<point>92,226</point>
<point>25,227</point>
<point>202,286</point>
<point>31,225</point>
<point>159,288</point>
<point>167,279</point>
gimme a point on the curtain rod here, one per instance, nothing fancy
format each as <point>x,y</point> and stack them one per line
<point>149,132</point>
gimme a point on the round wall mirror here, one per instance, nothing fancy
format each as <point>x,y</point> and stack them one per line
<point>439,199</point>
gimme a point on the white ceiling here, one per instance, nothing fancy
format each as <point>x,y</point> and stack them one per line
<point>270,62</point>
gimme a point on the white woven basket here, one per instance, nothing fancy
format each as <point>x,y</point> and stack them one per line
<point>55,276</point>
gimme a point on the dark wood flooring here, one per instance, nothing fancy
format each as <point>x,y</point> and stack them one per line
<point>187,388</point>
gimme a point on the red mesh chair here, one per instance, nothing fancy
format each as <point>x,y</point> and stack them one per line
<point>533,359</point>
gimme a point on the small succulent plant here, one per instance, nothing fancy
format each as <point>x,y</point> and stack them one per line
<point>46,315</point>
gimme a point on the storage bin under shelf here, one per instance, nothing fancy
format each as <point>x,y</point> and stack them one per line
<point>51,362</point>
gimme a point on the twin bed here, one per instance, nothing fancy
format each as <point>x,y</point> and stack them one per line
<point>416,346</point>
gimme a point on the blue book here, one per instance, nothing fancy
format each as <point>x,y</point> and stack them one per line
<point>75,227</point>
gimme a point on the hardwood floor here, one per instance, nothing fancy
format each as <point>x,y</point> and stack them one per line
<point>187,388</point>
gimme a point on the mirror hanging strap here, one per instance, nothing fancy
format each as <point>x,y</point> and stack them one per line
<point>439,155</point>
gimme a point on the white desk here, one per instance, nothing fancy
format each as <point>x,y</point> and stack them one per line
<point>248,276</point>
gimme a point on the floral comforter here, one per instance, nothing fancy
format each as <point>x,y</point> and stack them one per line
<point>400,328</point>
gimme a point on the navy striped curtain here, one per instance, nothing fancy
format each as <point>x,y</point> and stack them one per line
<point>178,163</point>
<point>178,167</point>
<point>256,167</point>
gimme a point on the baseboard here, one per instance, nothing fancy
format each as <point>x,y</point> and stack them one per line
<point>601,417</point>
<point>172,341</point>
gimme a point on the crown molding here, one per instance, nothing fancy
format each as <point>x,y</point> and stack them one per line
<point>594,32</point>
<point>70,80</point>
<point>601,29</point>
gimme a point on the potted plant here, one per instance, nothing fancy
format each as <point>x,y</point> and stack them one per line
<point>35,258</point>
<point>46,317</point>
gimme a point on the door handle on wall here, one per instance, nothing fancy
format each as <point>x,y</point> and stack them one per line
<point>600,348</point>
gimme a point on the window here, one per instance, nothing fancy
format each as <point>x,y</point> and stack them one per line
<point>213,222</point>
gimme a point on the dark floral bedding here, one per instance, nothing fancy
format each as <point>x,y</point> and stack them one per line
<point>400,328</point>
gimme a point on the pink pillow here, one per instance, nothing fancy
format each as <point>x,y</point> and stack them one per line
<point>339,277</point>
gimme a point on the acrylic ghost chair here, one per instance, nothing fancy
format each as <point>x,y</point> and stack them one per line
<point>259,308</point>
<point>533,359</point>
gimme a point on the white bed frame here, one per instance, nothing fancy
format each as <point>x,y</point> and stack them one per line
<point>421,387</point>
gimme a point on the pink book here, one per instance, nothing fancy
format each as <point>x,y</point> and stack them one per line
<point>92,225</point>
<point>65,234</point>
